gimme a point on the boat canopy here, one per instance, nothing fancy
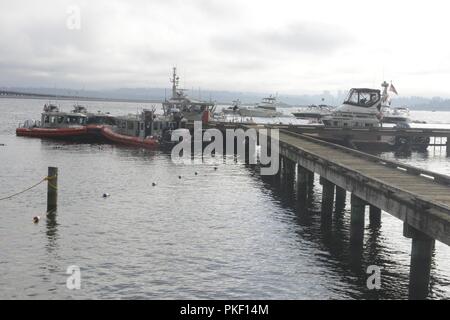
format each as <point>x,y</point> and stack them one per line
<point>365,98</point>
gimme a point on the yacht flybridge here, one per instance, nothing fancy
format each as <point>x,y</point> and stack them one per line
<point>181,104</point>
<point>360,109</point>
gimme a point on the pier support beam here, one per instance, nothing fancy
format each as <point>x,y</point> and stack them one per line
<point>341,195</point>
<point>288,173</point>
<point>327,199</point>
<point>302,184</point>
<point>420,268</point>
<point>357,223</point>
<point>375,216</point>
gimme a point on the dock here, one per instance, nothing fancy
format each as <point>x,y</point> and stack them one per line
<point>420,198</point>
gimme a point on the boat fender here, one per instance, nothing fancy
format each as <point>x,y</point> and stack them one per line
<point>154,184</point>
<point>106,195</point>
<point>36,219</point>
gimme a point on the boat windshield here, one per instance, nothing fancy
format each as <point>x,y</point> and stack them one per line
<point>363,98</point>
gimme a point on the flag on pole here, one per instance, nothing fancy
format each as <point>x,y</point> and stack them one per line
<point>392,89</point>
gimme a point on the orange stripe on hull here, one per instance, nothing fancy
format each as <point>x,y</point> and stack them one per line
<point>51,133</point>
<point>149,143</point>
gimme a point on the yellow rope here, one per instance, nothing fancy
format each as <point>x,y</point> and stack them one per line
<point>33,186</point>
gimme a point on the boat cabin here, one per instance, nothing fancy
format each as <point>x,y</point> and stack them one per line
<point>365,98</point>
<point>53,118</point>
<point>147,124</point>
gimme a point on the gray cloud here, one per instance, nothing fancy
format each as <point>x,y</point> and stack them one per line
<point>298,38</point>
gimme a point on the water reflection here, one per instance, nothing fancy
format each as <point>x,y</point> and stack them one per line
<point>332,235</point>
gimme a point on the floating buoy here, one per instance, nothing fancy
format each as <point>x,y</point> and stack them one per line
<point>179,177</point>
<point>36,219</point>
<point>106,195</point>
<point>215,168</point>
<point>196,173</point>
<point>2,144</point>
<point>153,184</point>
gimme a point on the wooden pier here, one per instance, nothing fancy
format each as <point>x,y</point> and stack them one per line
<point>420,198</point>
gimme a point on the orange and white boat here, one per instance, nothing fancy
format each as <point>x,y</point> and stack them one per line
<point>55,124</point>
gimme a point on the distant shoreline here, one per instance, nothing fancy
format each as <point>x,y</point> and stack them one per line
<point>43,97</point>
<point>102,99</point>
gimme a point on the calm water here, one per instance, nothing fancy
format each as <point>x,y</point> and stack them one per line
<point>221,234</point>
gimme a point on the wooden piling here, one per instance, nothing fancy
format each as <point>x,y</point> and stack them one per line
<point>420,268</point>
<point>302,184</point>
<point>52,189</point>
<point>357,222</point>
<point>374,216</point>
<point>341,195</point>
<point>327,199</point>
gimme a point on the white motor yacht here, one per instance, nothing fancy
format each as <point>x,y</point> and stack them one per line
<point>315,112</point>
<point>360,109</point>
<point>267,108</point>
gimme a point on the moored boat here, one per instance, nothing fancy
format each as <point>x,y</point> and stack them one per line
<point>190,109</point>
<point>313,112</point>
<point>267,108</point>
<point>54,124</point>
<point>145,130</point>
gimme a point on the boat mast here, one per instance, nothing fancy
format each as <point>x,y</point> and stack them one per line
<point>384,95</point>
<point>174,80</point>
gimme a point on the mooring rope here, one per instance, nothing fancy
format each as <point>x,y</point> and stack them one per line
<point>28,189</point>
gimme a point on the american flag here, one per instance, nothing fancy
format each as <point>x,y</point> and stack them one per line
<point>392,89</point>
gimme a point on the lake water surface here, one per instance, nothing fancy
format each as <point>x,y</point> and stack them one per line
<point>221,234</point>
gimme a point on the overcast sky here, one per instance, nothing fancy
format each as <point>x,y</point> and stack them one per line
<point>290,47</point>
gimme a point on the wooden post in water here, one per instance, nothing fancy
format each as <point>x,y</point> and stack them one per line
<point>327,200</point>
<point>302,184</point>
<point>52,189</point>
<point>420,267</point>
<point>375,215</point>
<point>357,223</point>
<point>341,195</point>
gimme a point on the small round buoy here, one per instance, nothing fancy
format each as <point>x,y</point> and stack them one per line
<point>179,177</point>
<point>215,168</point>
<point>106,195</point>
<point>36,219</point>
<point>196,173</point>
<point>153,184</point>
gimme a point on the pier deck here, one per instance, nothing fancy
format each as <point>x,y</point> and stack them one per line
<point>418,197</point>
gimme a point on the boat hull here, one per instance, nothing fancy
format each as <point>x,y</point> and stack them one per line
<point>53,133</point>
<point>259,113</point>
<point>110,135</point>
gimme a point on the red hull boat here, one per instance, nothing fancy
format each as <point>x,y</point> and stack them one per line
<point>51,132</point>
<point>109,134</point>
